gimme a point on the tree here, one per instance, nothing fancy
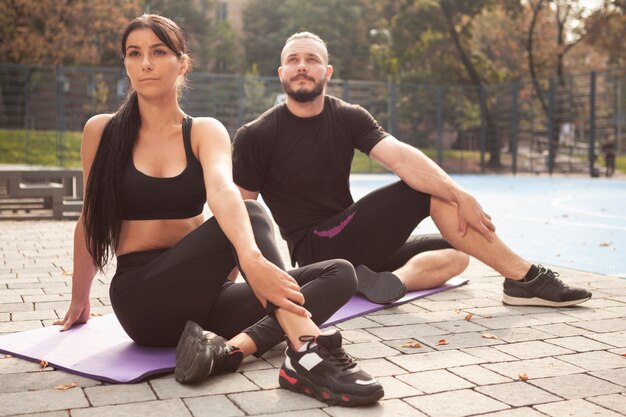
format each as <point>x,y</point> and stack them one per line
<point>63,32</point>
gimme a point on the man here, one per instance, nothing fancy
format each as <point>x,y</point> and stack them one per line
<point>298,154</point>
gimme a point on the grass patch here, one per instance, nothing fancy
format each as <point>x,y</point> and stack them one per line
<point>40,147</point>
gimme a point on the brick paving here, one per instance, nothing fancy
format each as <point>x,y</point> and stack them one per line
<point>575,358</point>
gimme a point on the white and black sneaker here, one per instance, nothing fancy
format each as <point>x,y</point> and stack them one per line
<point>546,289</point>
<point>325,371</point>
<point>200,354</point>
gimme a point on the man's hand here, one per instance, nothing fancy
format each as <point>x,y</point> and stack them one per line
<point>471,213</point>
<point>77,313</point>
<point>271,283</point>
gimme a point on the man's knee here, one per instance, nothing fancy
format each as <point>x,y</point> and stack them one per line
<point>459,261</point>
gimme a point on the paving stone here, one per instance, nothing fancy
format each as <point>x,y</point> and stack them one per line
<point>273,401</point>
<point>561,330</point>
<point>119,394</point>
<point>167,387</point>
<point>459,341</point>
<point>358,336</point>
<point>575,408</point>
<point>214,405</point>
<point>616,376</point>
<point>252,363</point>
<point>553,317</point>
<point>459,326</point>
<point>520,334</point>
<point>370,350</point>
<point>358,323</point>
<point>380,367</point>
<point>395,408</point>
<point>394,388</point>
<point>408,346</point>
<point>578,343</point>
<point>434,360</point>
<point>415,331</point>
<point>577,386</point>
<point>617,339</point>
<point>489,354</point>
<point>14,365</point>
<point>591,314</point>
<point>266,379</point>
<point>595,361</point>
<point>479,375</point>
<point>312,412</point>
<point>455,404</point>
<point>614,402</point>
<point>532,350</point>
<point>603,326</point>
<point>508,322</point>
<point>34,315</point>
<point>534,368</point>
<point>38,381</point>
<point>168,408</point>
<point>517,394</point>
<point>63,413</point>
<point>39,401</point>
<point>435,381</point>
<point>515,412</point>
<point>397,319</point>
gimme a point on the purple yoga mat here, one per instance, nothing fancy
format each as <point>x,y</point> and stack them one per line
<point>100,349</point>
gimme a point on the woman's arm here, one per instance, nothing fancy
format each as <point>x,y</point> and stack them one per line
<point>268,282</point>
<point>84,268</point>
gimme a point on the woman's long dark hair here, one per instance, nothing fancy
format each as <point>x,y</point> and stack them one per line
<point>102,204</point>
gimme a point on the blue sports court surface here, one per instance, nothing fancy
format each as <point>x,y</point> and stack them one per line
<point>569,222</point>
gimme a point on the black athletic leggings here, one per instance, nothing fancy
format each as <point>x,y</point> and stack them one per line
<point>154,293</point>
<point>375,231</point>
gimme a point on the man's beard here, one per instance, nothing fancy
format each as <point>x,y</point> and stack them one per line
<point>304,96</point>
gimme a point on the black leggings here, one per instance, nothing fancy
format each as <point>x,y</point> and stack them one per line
<point>154,293</point>
<point>375,231</point>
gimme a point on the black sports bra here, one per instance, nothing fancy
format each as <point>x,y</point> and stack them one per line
<point>151,198</point>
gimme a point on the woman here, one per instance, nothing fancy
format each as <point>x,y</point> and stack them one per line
<point>149,169</point>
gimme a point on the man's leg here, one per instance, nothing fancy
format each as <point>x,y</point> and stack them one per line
<point>524,284</point>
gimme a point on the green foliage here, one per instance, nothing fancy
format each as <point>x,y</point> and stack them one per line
<point>40,147</point>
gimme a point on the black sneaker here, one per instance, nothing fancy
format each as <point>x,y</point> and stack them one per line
<point>326,372</point>
<point>200,354</point>
<point>546,289</point>
<point>379,287</point>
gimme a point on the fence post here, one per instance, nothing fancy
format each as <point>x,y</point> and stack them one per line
<point>391,88</point>
<point>592,124</point>
<point>60,99</point>
<point>514,127</point>
<point>242,99</point>
<point>551,105</point>
<point>440,125</point>
<point>483,128</point>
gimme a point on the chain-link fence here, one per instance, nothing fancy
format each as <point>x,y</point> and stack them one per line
<point>504,128</point>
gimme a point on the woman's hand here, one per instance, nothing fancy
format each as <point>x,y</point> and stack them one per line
<point>271,283</point>
<point>77,313</point>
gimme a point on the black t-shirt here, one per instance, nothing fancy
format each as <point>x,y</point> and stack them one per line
<point>301,166</point>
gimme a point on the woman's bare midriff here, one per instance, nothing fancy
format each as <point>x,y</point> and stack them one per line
<point>142,235</point>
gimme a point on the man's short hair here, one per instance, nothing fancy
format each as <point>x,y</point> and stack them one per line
<point>304,35</point>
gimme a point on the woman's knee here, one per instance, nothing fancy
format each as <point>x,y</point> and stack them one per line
<point>344,278</point>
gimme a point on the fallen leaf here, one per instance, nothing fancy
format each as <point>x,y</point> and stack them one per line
<point>469,317</point>
<point>490,336</point>
<point>43,364</point>
<point>66,273</point>
<point>95,314</point>
<point>65,387</point>
<point>442,342</point>
<point>523,376</point>
<point>487,317</point>
<point>623,354</point>
<point>8,356</point>
<point>457,311</point>
<point>412,344</point>
<point>605,244</point>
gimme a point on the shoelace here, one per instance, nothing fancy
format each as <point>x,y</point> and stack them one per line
<point>554,276</point>
<point>341,359</point>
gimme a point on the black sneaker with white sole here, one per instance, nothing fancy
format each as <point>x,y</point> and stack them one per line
<point>546,289</point>
<point>200,354</point>
<point>379,287</point>
<point>325,371</point>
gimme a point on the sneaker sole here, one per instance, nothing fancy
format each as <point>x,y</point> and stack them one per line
<point>291,381</point>
<point>519,301</point>
<point>191,361</point>
<point>379,287</point>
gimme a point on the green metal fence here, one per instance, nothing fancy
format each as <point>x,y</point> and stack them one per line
<point>503,128</point>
